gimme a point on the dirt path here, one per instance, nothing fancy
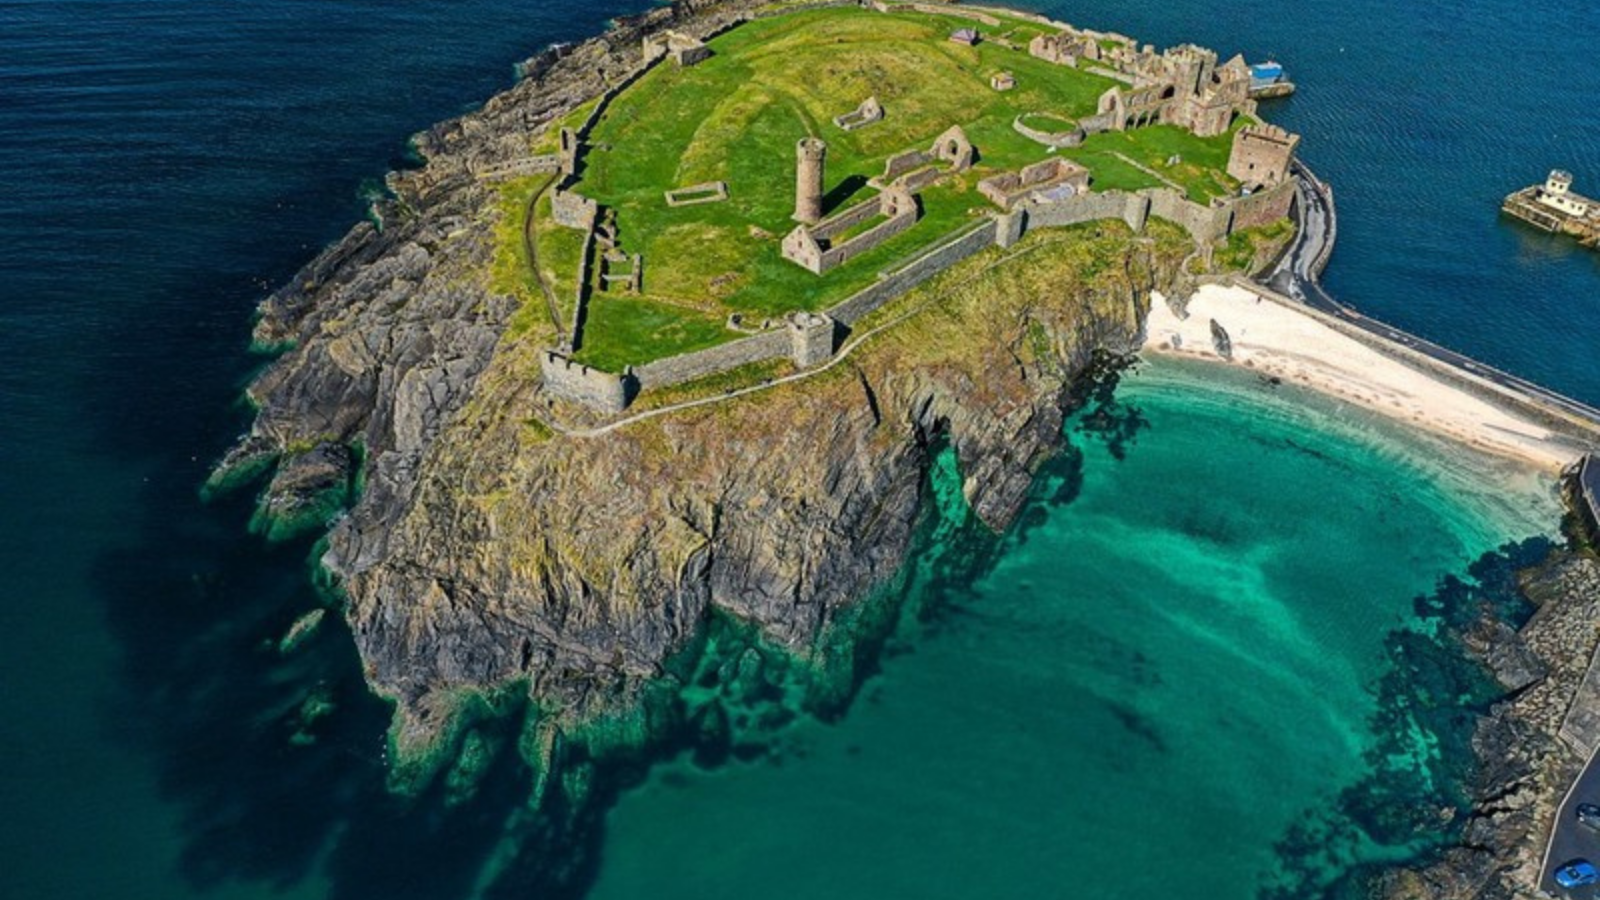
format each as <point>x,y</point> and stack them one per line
<point>531,247</point>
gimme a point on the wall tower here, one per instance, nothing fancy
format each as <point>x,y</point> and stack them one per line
<point>811,154</point>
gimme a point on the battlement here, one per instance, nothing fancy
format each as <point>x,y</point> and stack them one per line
<point>1262,154</point>
<point>685,50</point>
<point>811,338</point>
<point>575,382</point>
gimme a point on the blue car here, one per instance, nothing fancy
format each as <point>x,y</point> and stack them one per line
<point>1577,873</point>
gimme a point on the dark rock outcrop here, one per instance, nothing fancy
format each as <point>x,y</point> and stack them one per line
<point>1524,768</point>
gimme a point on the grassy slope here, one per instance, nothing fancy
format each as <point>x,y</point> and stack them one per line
<point>736,118</point>
<point>510,272</point>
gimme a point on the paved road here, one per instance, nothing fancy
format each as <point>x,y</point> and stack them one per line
<point>1569,840</point>
<point>1294,276</point>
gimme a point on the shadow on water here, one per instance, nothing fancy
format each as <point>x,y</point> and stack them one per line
<point>273,760</point>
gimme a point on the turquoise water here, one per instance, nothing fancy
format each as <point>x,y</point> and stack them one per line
<point>166,161</point>
<point>1169,667</point>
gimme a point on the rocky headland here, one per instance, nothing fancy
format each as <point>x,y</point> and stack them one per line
<point>487,550</point>
<point>697,575</point>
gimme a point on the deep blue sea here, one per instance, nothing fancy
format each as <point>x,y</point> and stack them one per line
<point>164,162</point>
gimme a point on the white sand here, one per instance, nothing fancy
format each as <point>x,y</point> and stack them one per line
<point>1274,339</point>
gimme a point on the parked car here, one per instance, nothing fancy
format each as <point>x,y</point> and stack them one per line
<point>1577,873</point>
<point>1588,814</point>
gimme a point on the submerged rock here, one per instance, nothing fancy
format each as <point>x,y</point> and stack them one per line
<point>1524,768</point>
<point>302,629</point>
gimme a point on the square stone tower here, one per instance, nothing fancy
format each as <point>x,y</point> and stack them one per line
<point>811,339</point>
<point>1262,154</point>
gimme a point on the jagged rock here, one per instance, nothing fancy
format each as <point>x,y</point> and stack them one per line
<point>1523,767</point>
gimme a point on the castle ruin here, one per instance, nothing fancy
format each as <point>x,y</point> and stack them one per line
<point>868,112</point>
<point>1184,87</point>
<point>1050,180</point>
<point>1064,48</point>
<point>685,50</point>
<point>818,249</point>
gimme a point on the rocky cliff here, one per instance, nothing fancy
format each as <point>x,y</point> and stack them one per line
<point>486,546</point>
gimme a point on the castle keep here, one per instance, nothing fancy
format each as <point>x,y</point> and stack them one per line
<point>1262,154</point>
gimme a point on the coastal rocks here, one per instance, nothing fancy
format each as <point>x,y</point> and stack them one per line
<point>1524,766</point>
<point>309,486</point>
<point>486,550</point>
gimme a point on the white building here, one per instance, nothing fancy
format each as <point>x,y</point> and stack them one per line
<point>1557,194</point>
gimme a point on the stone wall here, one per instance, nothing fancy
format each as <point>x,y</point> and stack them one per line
<point>578,383</point>
<point>713,360</point>
<point>533,165</point>
<point>580,300</point>
<point>870,239</point>
<point>1008,189</point>
<point>1072,137</point>
<point>902,163</point>
<point>1206,224</point>
<point>964,245</point>
<point>1264,206</point>
<point>1133,209</point>
<point>921,179</point>
<point>573,210</point>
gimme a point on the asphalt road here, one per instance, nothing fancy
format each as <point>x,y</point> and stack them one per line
<point>1569,840</point>
<point>1293,277</point>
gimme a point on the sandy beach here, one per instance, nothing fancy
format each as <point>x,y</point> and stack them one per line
<point>1277,340</point>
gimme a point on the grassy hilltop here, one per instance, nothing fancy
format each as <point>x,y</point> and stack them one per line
<point>736,118</point>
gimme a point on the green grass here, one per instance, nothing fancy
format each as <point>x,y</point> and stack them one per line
<point>1110,173</point>
<point>1251,248</point>
<point>736,118</point>
<point>622,331</point>
<point>510,273</point>
<point>1049,124</point>
<point>560,253</point>
<point>1202,167</point>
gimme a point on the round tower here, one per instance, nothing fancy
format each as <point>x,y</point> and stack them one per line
<point>810,154</point>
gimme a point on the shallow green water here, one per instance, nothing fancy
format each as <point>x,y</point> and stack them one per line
<point>1140,689</point>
